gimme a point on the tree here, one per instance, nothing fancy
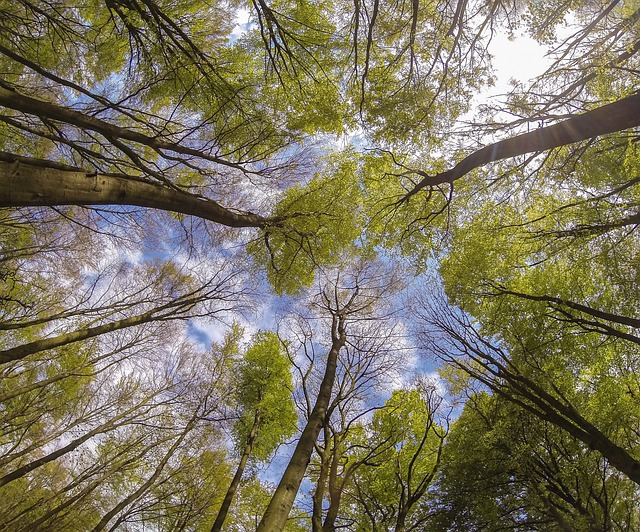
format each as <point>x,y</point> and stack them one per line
<point>349,297</point>
<point>267,413</point>
<point>502,467</point>
<point>149,152</point>
<point>522,373</point>
<point>404,450</point>
<point>369,359</point>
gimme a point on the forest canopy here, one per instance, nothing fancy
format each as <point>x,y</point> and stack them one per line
<point>278,265</point>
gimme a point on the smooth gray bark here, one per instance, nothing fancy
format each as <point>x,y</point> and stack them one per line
<point>282,500</point>
<point>617,116</point>
<point>33,185</point>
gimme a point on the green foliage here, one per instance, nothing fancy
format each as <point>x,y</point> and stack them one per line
<point>404,443</point>
<point>542,253</point>
<point>317,225</point>
<point>264,395</point>
<point>187,498</point>
<point>556,243</point>
<point>504,468</point>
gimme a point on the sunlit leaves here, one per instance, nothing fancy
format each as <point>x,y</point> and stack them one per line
<point>503,468</point>
<point>317,226</point>
<point>264,394</point>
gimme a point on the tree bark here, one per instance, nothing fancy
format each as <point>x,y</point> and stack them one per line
<point>148,483</point>
<point>282,500</point>
<point>534,398</point>
<point>335,487</point>
<point>233,487</point>
<point>24,183</point>
<point>568,419</point>
<point>617,116</point>
<point>318,494</point>
<point>21,351</point>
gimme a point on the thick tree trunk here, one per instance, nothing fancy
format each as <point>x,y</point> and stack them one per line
<point>617,116</point>
<point>568,419</point>
<point>31,185</point>
<point>329,524</point>
<point>534,398</point>
<point>281,503</point>
<point>233,487</point>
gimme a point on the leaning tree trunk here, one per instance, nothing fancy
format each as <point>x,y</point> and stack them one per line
<point>617,116</point>
<point>233,487</point>
<point>281,503</point>
<point>28,182</point>
<point>160,313</point>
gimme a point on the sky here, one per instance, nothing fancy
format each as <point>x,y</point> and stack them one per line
<point>520,59</point>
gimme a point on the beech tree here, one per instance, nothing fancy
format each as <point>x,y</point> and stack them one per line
<point>159,161</point>
<point>348,297</point>
<point>406,440</point>
<point>372,355</point>
<point>267,415</point>
<point>522,373</point>
<point>108,431</point>
<point>506,472</point>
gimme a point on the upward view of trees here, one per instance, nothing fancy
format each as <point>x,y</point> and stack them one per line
<point>284,265</point>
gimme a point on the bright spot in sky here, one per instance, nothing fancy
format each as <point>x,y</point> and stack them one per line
<point>242,24</point>
<point>520,59</point>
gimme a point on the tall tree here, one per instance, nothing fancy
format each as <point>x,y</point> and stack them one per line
<point>540,384</point>
<point>348,297</point>
<point>147,148</point>
<point>503,467</point>
<point>371,357</point>
<point>386,492</point>
<point>267,413</point>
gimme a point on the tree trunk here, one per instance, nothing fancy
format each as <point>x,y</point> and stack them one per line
<point>148,483</point>
<point>318,494</point>
<point>401,520</point>
<point>25,184</point>
<point>233,488</point>
<point>567,418</point>
<point>74,444</point>
<point>281,503</point>
<point>21,351</point>
<point>335,487</point>
<point>534,398</point>
<point>617,116</point>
